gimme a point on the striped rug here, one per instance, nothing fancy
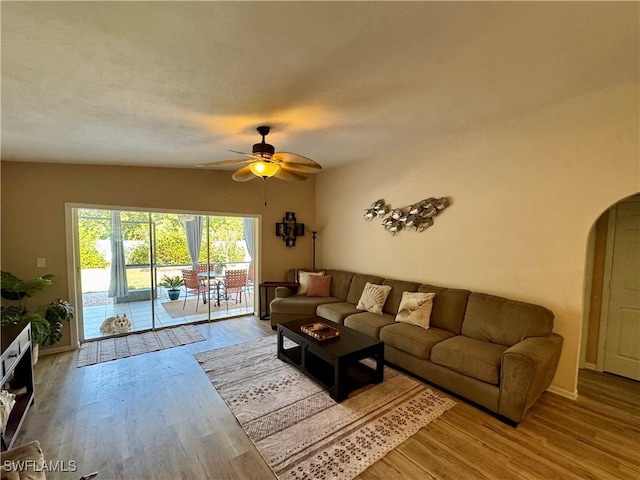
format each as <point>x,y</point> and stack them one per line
<point>136,344</point>
<point>296,426</point>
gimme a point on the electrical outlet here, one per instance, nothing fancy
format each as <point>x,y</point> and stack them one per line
<point>41,262</point>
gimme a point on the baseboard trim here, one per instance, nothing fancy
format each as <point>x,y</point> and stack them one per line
<point>53,350</point>
<point>590,366</point>
<point>563,393</point>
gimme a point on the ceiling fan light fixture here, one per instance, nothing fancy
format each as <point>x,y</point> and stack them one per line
<point>264,169</point>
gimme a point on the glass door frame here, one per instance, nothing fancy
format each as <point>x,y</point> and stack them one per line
<point>73,256</point>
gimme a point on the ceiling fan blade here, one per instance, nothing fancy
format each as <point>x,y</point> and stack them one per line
<point>285,174</point>
<point>242,153</point>
<point>243,175</point>
<point>297,162</point>
<point>225,162</point>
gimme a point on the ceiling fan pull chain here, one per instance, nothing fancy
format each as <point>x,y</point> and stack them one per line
<point>265,191</point>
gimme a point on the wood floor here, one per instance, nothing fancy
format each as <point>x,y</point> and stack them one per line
<point>157,416</point>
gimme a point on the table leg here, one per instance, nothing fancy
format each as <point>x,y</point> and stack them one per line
<point>379,364</point>
<point>340,389</point>
<point>263,297</point>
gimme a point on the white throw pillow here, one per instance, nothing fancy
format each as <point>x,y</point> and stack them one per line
<point>303,280</point>
<point>373,297</point>
<point>415,308</point>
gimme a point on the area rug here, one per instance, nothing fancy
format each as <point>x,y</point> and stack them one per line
<point>299,430</point>
<point>175,310</point>
<point>136,344</point>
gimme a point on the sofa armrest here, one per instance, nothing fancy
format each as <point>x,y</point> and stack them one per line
<point>284,292</point>
<point>23,462</point>
<point>527,370</point>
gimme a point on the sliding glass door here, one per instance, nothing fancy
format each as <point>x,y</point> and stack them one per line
<point>144,270</point>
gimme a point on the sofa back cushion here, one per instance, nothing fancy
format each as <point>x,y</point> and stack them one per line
<point>395,295</point>
<point>449,306</point>
<point>503,321</point>
<point>357,286</point>
<point>340,283</point>
<point>291,276</point>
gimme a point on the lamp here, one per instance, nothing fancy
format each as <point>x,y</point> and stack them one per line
<point>264,169</point>
<point>313,239</point>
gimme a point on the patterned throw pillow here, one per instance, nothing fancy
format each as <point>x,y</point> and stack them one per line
<point>319,286</point>
<point>415,308</point>
<point>373,297</point>
<point>303,280</point>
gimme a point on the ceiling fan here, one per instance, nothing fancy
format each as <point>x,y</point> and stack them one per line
<point>265,162</point>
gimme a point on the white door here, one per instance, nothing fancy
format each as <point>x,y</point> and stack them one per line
<point>622,344</point>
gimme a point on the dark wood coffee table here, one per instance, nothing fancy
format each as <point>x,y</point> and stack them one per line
<point>334,363</point>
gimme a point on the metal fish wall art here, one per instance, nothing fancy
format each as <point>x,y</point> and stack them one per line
<point>419,216</point>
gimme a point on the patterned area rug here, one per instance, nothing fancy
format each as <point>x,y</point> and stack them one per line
<point>296,426</point>
<point>136,344</point>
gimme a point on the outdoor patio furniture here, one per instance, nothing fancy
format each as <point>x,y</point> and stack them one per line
<point>235,281</point>
<point>194,286</point>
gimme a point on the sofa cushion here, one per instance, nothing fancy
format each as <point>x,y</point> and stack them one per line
<point>413,339</point>
<point>503,321</point>
<point>395,296</point>
<point>336,312</point>
<point>340,283</point>
<point>475,358</point>
<point>373,298</point>
<point>369,323</point>
<point>449,306</point>
<point>357,286</point>
<point>304,278</point>
<point>415,308</point>
<point>299,304</point>
<point>319,286</point>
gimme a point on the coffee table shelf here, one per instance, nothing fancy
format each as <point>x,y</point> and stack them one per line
<point>334,363</point>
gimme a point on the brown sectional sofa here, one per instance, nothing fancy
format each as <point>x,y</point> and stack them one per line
<point>498,353</point>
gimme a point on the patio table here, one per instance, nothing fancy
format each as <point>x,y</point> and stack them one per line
<point>216,279</point>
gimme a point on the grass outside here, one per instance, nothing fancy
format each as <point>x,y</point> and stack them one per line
<point>97,279</point>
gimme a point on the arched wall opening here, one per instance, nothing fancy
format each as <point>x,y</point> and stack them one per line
<point>597,286</point>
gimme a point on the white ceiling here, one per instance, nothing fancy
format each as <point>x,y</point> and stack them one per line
<point>179,83</point>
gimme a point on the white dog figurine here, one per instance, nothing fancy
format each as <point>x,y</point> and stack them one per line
<point>117,324</point>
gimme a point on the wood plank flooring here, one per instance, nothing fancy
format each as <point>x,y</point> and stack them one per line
<point>157,416</point>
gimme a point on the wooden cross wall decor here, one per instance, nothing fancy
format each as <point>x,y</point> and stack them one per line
<point>289,229</point>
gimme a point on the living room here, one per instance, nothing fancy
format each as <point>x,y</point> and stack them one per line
<point>524,115</point>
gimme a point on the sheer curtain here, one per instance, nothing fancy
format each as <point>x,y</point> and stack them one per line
<point>193,231</point>
<point>118,286</point>
<point>247,227</point>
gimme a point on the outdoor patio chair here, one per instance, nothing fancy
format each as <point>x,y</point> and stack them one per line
<point>250,278</point>
<point>235,281</point>
<point>194,286</point>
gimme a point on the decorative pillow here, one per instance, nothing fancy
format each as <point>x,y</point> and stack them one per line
<point>319,286</point>
<point>303,280</point>
<point>7,401</point>
<point>373,297</point>
<point>415,308</point>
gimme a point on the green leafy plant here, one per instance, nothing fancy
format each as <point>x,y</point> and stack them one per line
<point>47,321</point>
<point>171,282</point>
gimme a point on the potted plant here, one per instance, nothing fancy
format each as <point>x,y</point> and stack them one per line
<point>46,321</point>
<point>172,284</point>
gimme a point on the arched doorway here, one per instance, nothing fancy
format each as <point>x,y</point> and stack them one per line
<point>611,328</point>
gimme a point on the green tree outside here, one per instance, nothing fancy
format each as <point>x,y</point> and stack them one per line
<point>225,235</point>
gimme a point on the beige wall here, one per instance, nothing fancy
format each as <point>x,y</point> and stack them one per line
<point>34,197</point>
<point>525,193</point>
